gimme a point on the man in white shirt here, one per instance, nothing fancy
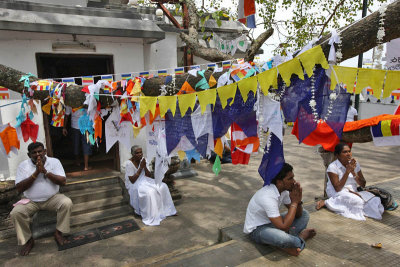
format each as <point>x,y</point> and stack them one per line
<point>352,114</point>
<point>39,178</point>
<point>266,225</point>
<point>78,139</point>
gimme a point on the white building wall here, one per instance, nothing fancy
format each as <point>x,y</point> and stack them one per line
<point>368,110</point>
<point>162,54</point>
<point>17,50</point>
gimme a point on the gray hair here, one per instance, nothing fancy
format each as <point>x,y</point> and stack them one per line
<point>134,148</point>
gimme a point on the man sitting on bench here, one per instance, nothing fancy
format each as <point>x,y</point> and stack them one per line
<point>40,177</point>
<point>266,225</point>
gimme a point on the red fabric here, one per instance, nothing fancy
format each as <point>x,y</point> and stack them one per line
<point>239,157</point>
<point>322,135</point>
<point>86,89</point>
<point>249,7</point>
<point>394,127</point>
<point>29,129</point>
<point>397,112</point>
<point>126,117</point>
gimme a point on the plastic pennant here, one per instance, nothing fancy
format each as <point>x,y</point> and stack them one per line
<point>147,103</point>
<point>206,97</point>
<point>370,78</point>
<point>218,147</point>
<point>267,79</point>
<point>346,75</point>
<point>226,92</point>
<point>212,82</point>
<point>247,85</point>
<point>392,82</point>
<point>186,89</point>
<point>217,165</point>
<point>167,103</point>
<point>312,57</point>
<point>290,67</point>
<point>181,155</point>
<point>185,102</point>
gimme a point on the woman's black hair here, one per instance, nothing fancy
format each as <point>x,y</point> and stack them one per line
<point>286,168</point>
<point>33,146</point>
<point>339,148</point>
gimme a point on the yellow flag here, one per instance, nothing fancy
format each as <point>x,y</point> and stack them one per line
<point>136,131</point>
<point>346,75</point>
<point>290,67</point>
<point>219,148</point>
<point>312,57</point>
<point>212,81</point>
<point>147,103</point>
<point>167,102</point>
<point>185,102</point>
<point>136,88</point>
<point>181,154</point>
<point>371,78</point>
<point>247,85</point>
<point>206,97</point>
<point>225,92</point>
<point>385,128</point>
<point>47,108</point>
<point>392,82</point>
<point>267,79</point>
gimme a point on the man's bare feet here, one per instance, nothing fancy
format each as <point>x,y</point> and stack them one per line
<point>320,204</point>
<point>308,233</point>
<point>87,168</point>
<point>25,249</point>
<point>292,251</point>
<point>59,238</point>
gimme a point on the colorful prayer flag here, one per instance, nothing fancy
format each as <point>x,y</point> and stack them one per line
<point>126,76</point>
<point>211,66</point>
<point>226,64</point>
<point>108,78</point>
<point>246,13</point>
<point>87,80</point>
<point>240,60</point>
<point>370,91</point>
<point>44,85</point>
<point>195,67</point>
<point>68,80</point>
<point>144,74</point>
<point>395,96</point>
<point>162,72</point>
<point>4,93</point>
<point>179,71</point>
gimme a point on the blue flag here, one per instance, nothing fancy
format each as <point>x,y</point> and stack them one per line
<point>272,161</point>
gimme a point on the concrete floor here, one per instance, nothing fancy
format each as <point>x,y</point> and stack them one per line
<point>211,202</point>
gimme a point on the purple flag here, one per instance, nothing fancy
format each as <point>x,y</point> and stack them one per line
<point>272,161</point>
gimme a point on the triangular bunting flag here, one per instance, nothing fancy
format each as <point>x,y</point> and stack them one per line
<point>267,79</point>
<point>226,92</point>
<point>186,89</point>
<point>247,85</point>
<point>312,57</point>
<point>370,78</point>
<point>290,67</point>
<point>217,165</point>
<point>147,103</point>
<point>392,82</point>
<point>167,103</point>
<point>206,97</point>
<point>185,102</point>
<point>212,82</point>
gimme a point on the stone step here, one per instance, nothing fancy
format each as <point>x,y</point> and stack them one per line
<point>76,184</point>
<point>45,226</point>
<point>96,205</point>
<point>95,193</point>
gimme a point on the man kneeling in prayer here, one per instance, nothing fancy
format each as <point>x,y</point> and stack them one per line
<point>266,225</point>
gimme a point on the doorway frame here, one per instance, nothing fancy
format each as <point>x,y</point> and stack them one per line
<point>40,70</point>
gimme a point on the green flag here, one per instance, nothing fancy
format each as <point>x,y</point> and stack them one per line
<point>217,165</point>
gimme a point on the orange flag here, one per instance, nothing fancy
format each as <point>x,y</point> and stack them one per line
<point>186,89</point>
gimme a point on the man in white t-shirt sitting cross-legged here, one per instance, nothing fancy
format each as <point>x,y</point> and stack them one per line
<point>266,225</point>
<point>39,178</point>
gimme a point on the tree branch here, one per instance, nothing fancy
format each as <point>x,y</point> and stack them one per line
<point>331,16</point>
<point>361,36</point>
<point>257,43</point>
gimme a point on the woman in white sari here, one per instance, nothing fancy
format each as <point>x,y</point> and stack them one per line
<point>150,200</point>
<point>345,176</point>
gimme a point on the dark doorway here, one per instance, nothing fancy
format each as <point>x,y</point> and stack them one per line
<point>60,146</point>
